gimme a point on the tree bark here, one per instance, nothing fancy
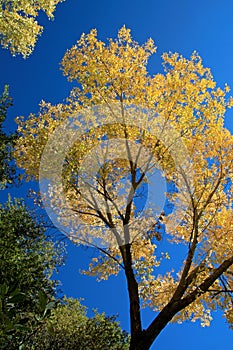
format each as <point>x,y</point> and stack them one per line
<point>135,312</point>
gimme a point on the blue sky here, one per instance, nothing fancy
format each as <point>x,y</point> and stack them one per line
<point>182,26</point>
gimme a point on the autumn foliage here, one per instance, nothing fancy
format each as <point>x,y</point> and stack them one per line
<point>172,123</point>
<point>19,28</point>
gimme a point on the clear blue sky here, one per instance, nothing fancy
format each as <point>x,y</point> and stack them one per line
<point>182,26</point>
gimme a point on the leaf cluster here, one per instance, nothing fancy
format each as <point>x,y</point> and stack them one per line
<point>18,26</point>
<point>7,167</point>
<point>70,328</point>
<point>27,260</point>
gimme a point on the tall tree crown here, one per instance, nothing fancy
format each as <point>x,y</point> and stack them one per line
<point>119,127</point>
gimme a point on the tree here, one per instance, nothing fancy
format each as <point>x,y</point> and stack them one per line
<point>69,328</point>
<point>27,260</point>
<point>98,156</point>
<point>18,26</point>
<point>7,168</point>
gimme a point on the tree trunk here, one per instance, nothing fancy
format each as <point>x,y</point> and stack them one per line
<point>135,313</point>
<point>140,343</point>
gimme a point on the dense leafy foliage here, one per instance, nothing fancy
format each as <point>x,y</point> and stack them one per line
<point>69,328</point>
<point>18,26</point>
<point>27,260</point>
<point>7,168</point>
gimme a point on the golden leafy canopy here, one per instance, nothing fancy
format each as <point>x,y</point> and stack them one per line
<point>114,77</point>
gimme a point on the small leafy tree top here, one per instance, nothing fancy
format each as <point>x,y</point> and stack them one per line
<point>70,328</point>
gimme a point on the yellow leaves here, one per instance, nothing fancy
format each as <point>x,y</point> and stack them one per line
<point>220,234</point>
<point>157,291</point>
<point>227,88</point>
<point>34,135</point>
<point>144,261</point>
<point>18,26</point>
<point>184,100</point>
<point>18,33</point>
<point>108,71</point>
<point>230,104</point>
<point>195,312</point>
<point>124,35</point>
<point>103,266</point>
<point>229,316</point>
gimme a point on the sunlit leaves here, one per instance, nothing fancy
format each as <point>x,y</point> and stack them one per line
<point>19,28</point>
<point>182,107</point>
<point>111,71</point>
